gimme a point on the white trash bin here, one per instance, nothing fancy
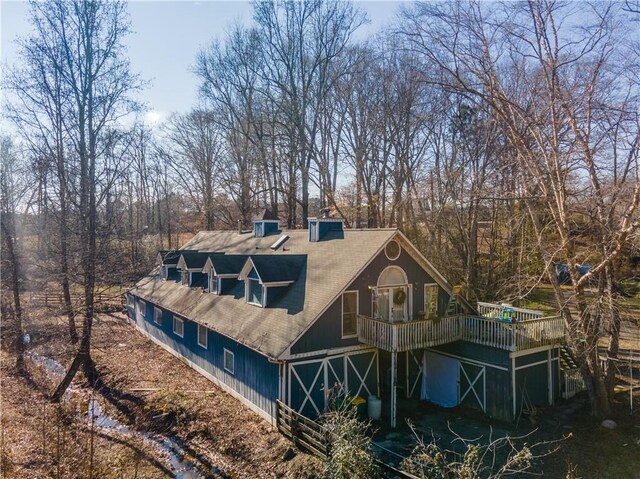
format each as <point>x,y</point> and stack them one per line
<point>374,408</point>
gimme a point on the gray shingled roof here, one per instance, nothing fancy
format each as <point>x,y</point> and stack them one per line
<point>330,266</point>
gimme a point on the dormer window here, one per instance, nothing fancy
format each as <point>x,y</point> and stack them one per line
<point>222,270</point>
<point>255,292</point>
<point>168,261</point>
<point>262,273</point>
<point>184,278</point>
<point>213,283</point>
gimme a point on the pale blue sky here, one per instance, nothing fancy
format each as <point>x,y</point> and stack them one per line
<point>168,34</point>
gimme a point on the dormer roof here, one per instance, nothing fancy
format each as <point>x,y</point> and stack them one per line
<point>168,257</point>
<point>192,260</point>
<point>226,264</point>
<point>275,269</point>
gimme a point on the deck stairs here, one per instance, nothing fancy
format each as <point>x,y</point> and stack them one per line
<point>571,380</point>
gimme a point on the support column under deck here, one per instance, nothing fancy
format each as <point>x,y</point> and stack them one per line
<point>394,378</point>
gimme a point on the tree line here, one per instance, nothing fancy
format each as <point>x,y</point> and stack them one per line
<point>502,138</point>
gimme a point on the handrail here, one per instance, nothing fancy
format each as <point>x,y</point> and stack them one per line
<point>522,314</point>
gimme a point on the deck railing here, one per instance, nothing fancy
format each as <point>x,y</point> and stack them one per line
<point>404,336</point>
<point>492,310</point>
<point>572,382</point>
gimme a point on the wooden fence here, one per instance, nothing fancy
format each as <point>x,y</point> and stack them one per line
<point>302,431</point>
<point>316,439</point>
<point>56,299</point>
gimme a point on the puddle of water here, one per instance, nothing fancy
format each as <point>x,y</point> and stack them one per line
<point>183,466</point>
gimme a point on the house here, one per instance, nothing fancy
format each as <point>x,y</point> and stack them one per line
<point>300,315</point>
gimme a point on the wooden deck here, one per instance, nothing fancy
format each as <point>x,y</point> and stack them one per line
<point>404,336</point>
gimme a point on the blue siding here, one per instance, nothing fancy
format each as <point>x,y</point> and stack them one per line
<point>325,226</point>
<point>255,377</point>
<point>198,279</point>
<point>264,228</point>
<point>173,274</point>
<point>271,229</point>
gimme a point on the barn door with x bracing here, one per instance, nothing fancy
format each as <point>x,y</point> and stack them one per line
<point>473,385</point>
<point>312,382</point>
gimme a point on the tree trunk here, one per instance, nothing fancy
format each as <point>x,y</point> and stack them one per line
<point>8,237</point>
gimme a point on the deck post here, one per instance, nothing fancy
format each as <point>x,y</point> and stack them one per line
<point>394,364</point>
<point>549,378</point>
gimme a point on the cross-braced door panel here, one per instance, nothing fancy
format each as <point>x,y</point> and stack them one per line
<point>307,387</point>
<point>361,377</point>
<point>473,385</point>
<point>414,372</point>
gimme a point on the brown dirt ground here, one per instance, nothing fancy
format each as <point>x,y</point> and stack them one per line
<point>151,390</point>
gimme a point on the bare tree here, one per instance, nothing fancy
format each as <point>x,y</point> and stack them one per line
<point>82,42</point>
<point>304,41</point>
<point>556,94</point>
<point>13,188</point>
<point>193,154</point>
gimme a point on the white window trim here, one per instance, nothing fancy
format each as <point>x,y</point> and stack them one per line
<point>206,336</point>
<point>141,309</point>
<point>355,335</point>
<point>215,290</point>
<point>424,299</point>
<point>155,315</point>
<point>224,361</point>
<point>175,318</point>
<point>247,289</point>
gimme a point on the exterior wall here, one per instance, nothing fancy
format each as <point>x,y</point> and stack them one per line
<point>265,228</point>
<point>254,378</point>
<point>198,279</point>
<point>173,274</point>
<point>532,374</point>
<point>228,284</point>
<point>326,332</point>
<point>495,388</point>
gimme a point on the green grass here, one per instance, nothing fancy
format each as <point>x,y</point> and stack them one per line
<point>542,299</point>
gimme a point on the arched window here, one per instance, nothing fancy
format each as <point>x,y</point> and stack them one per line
<point>392,276</point>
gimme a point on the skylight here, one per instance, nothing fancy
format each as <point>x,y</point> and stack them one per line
<point>279,242</point>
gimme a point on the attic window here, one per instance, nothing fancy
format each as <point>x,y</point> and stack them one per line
<point>392,250</point>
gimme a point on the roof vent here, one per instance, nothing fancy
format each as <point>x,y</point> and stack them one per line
<point>325,228</point>
<point>265,224</point>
